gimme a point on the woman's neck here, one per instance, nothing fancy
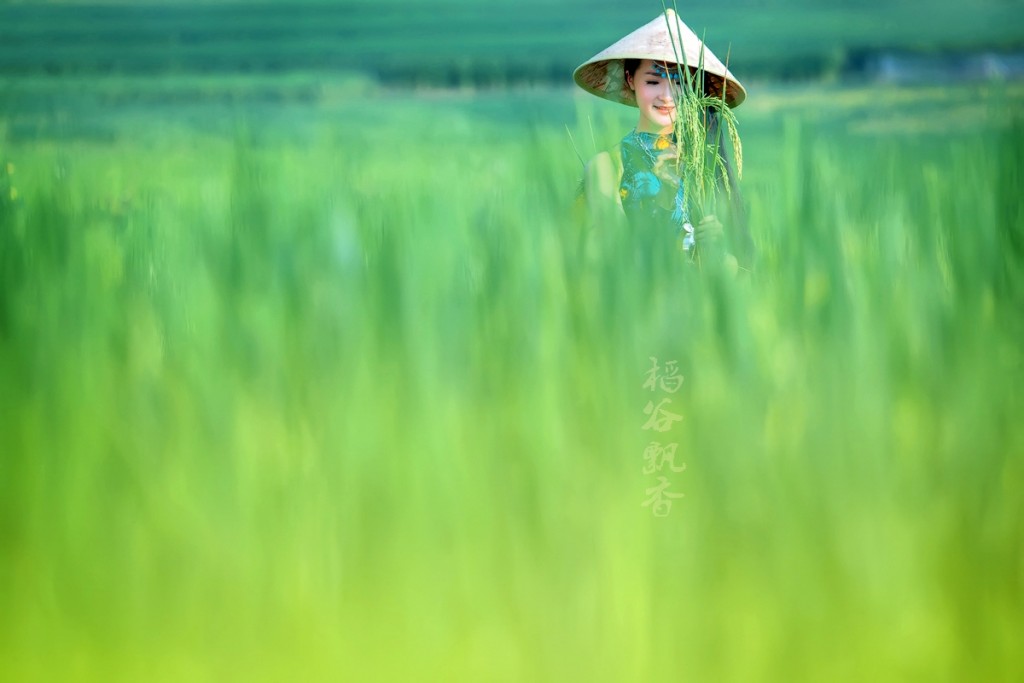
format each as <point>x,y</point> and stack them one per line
<point>646,127</point>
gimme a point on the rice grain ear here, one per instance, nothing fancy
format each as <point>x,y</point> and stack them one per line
<point>730,120</point>
<point>737,149</point>
<point>698,148</point>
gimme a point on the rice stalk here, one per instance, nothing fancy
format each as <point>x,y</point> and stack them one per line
<point>698,150</point>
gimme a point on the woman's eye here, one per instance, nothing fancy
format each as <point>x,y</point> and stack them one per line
<point>652,82</point>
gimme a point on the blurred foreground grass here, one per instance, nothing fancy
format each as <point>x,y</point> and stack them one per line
<point>371,409</point>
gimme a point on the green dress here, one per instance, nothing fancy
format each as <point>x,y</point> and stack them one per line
<point>651,189</point>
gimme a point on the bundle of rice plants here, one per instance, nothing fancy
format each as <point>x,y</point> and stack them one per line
<point>699,124</point>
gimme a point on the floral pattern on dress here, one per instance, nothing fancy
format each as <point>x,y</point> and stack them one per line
<point>651,189</point>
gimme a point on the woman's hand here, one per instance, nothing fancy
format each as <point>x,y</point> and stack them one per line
<point>708,234</point>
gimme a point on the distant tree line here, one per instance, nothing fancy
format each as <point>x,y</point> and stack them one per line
<point>455,43</point>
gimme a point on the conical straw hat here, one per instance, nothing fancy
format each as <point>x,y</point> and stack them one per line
<point>604,73</point>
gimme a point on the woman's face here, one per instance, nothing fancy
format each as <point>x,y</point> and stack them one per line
<point>654,96</point>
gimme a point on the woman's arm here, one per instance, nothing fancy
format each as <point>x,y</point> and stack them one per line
<point>601,188</point>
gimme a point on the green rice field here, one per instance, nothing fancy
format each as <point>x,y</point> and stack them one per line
<point>311,379</point>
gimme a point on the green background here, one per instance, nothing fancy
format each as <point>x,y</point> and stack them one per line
<point>311,374</point>
<point>455,42</point>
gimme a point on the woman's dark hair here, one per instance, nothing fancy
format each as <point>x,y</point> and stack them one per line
<point>630,66</point>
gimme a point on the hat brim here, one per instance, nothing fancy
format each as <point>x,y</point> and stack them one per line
<point>604,75</point>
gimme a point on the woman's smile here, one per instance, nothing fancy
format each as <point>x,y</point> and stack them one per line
<point>661,117</point>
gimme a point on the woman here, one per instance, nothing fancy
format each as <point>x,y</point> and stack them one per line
<point>640,178</point>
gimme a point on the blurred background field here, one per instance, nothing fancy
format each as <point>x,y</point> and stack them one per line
<point>455,42</point>
<point>308,370</point>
